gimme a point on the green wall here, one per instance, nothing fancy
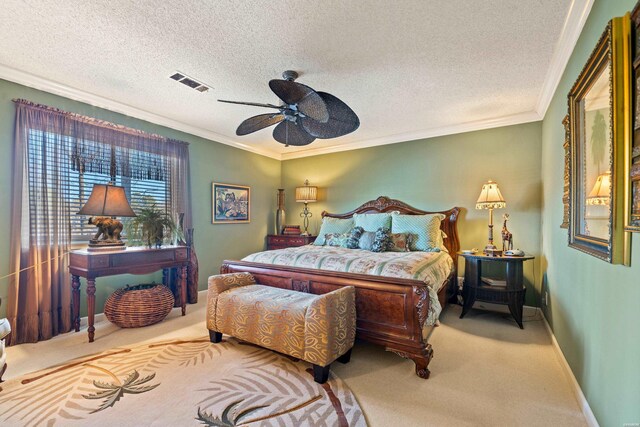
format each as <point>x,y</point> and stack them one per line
<point>210,161</point>
<point>593,305</point>
<point>437,174</point>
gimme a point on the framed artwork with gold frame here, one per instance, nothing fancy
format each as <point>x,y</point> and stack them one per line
<point>633,223</point>
<point>598,129</point>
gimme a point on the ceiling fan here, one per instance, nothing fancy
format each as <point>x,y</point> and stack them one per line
<point>303,116</point>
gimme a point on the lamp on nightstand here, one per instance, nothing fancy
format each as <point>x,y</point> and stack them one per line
<point>306,194</point>
<point>490,198</point>
<point>601,192</point>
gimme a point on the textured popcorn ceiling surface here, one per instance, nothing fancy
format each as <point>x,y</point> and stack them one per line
<point>404,66</point>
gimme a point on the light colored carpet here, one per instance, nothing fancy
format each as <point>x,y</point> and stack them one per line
<point>486,371</point>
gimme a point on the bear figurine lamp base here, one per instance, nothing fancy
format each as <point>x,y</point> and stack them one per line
<point>106,202</point>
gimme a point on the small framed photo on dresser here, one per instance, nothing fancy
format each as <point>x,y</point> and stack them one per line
<point>231,203</point>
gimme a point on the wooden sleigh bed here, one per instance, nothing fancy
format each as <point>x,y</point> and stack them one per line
<point>390,311</point>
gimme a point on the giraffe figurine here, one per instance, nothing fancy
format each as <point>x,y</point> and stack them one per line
<point>507,237</point>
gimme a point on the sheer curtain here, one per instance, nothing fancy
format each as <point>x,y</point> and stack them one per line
<point>51,147</point>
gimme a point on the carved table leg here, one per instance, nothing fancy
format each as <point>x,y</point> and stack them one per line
<point>182,271</point>
<point>75,290</point>
<point>91,306</point>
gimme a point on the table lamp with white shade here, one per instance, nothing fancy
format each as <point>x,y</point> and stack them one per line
<point>306,194</point>
<point>490,198</point>
<point>600,194</point>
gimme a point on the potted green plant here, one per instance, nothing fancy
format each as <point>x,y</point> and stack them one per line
<point>150,227</point>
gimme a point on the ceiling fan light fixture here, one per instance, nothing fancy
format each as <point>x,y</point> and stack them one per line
<point>304,116</point>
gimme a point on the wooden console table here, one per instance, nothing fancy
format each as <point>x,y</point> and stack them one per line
<point>91,265</point>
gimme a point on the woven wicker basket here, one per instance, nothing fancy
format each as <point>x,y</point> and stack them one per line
<point>141,305</point>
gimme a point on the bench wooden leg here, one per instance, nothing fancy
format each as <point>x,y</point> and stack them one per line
<point>345,358</point>
<point>321,373</point>
<point>215,336</point>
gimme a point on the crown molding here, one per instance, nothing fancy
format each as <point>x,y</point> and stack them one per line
<point>515,119</point>
<point>571,30</point>
<point>40,83</point>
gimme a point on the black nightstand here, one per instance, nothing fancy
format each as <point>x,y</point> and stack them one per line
<point>475,290</point>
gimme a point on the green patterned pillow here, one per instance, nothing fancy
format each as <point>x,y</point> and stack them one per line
<point>372,222</point>
<point>424,230</point>
<point>336,239</point>
<point>333,226</point>
<point>354,238</point>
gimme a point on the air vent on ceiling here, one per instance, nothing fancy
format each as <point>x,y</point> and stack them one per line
<point>189,81</point>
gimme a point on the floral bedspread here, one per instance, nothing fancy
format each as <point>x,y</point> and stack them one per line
<point>432,268</point>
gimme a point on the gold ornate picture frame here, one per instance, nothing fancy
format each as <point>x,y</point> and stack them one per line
<point>633,221</point>
<point>596,194</point>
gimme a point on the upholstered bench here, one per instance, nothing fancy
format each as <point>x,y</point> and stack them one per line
<point>315,328</point>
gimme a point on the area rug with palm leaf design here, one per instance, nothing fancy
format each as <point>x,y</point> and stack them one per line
<point>179,383</point>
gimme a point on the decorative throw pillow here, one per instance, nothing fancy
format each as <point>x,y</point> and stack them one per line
<point>367,240</point>
<point>354,238</point>
<point>336,239</point>
<point>333,226</point>
<point>372,222</point>
<point>399,242</point>
<point>382,240</point>
<point>424,229</point>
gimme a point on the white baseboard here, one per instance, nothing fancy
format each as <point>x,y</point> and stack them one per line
<point>577,391</point>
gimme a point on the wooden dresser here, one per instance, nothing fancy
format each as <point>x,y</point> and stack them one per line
<point>281,241</point>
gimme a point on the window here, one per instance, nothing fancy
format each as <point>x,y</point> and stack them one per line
<point>71,168</point>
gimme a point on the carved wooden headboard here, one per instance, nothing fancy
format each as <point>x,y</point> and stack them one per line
<point>384,204</point>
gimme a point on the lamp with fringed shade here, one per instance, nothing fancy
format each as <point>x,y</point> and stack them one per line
<point>490,198</point>
<point>600,194</point>
<point>306,194</point>
<point>105,203</point>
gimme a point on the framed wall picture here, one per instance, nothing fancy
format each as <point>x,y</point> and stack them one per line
<point>633,222</point>
<point>231,203</point>
<point>599,133</point>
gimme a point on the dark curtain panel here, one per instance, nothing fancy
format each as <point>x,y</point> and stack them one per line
<point>51,147</point>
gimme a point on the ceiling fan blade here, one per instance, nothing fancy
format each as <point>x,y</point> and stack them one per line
<point>255,123</point>
<point>288,133</point>
<point>308,101</point>
<point>254,104</point>
<point>342,119</point>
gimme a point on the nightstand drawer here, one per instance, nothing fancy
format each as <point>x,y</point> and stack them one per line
<point>297,241</point>
<point>282,241</point>
<point>278,240</point>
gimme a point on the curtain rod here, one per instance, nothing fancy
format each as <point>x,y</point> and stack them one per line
<point>95,122</point>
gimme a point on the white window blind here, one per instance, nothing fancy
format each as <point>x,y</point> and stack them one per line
<point>145,176</point>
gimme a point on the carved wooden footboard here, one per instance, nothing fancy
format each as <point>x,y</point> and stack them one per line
<point>390,312</point>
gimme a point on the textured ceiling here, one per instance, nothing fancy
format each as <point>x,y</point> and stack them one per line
<point>404,66</point>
